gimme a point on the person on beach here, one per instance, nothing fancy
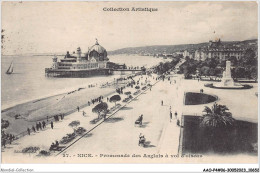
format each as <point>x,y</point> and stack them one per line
<point>40,125</point>
<point>33,128</point>
<point>4,141</point>
<point>170,116</point>
<point>10,139</point>
<point>51,125</point>
<point>162,102</point>
<point>37,127</point>
<point>78,108</point>
<point>43,124</point>
<point>28,130</point>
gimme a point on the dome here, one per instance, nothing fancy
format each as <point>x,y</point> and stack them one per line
<point>98,52</point>
<point>99,49</point>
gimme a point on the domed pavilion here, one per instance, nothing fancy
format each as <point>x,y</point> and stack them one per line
<point>98,52</point>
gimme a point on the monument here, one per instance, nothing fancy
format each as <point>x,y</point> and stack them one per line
<point>227,81</point>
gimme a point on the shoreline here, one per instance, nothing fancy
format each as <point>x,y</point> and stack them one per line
<point>61,92</point>
<point>62,103</point>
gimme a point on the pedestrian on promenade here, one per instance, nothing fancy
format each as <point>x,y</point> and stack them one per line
<point>51,125</point>
<point>33,128</point>
<point>56,143</point>
<point>84,113</point>
<point>170,116</point>
<point>175,114</point>
<point>88,103</point>
<point>178,122</point>
<point>162,102</point>
<point>78,108</point>
<point>28,130</point>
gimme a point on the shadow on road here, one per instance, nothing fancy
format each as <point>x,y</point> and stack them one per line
<point>88,135</point>
<point>147,144</point>
<point>144,125</point>
<point>114,120</point>
<point>126,108</point>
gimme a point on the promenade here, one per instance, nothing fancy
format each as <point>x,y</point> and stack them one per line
<point>119,135</point>
<point>155,122</point>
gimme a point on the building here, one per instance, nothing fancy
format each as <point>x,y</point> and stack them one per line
<point>215,49</point>
<point>81,65</point>
<point>189,53</point>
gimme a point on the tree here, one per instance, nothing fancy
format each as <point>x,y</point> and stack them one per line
<point>100,108</point>
<point>240,72</point>
<point>212,62</point>
<point>74,124</point>
<point>204,70</point>
<point>216,126</point>
<point>254,72</point>
<point>249,57</point>
<point>212,72</point>
<point>217,116</point>
<point>233,60</point>
<point>127,93</point>
<point>4,124</point>
<point>137,87</point>
<point>115,98</point>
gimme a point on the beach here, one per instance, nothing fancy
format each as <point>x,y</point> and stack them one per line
<point>34,97</point>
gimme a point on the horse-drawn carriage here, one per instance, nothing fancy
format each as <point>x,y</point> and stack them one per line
<point>139,121</point>
<point>56,147</point>
<point>142,141</point>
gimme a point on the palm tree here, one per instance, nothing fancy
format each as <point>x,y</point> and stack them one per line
<point>217,116</point>
<point>216,125</point>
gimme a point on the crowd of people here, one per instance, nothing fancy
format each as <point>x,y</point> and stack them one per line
<point>6,138</point>
<point>42,125</point>
<point>120,90</point>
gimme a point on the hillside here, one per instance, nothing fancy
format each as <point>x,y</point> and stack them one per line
<point>169,49</point>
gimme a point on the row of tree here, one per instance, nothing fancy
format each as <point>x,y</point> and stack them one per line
<point>164,67</point>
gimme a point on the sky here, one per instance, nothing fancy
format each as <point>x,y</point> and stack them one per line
<point>50,27</point>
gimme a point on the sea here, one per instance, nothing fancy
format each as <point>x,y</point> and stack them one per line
<point>28,81</point>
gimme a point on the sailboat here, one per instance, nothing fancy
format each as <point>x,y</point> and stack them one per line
<point>10,69</point>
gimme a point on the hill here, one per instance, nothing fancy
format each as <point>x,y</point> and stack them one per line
<point>169,49</point>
